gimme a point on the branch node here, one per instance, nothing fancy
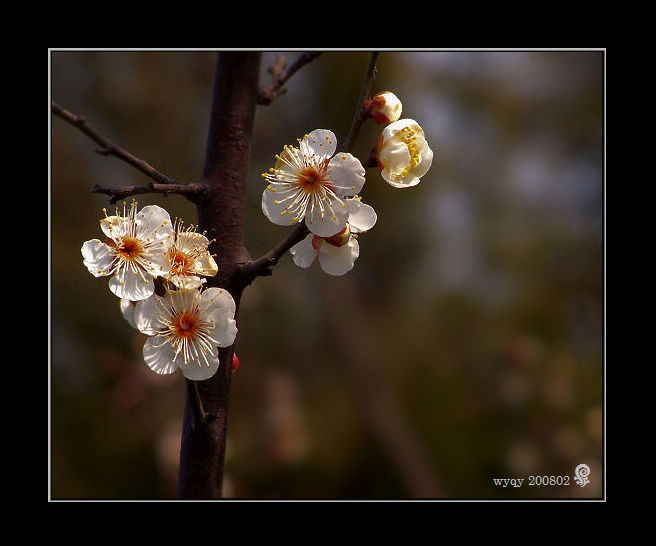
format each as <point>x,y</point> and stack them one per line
<point>281,74</point>
<point>278,68</point>
<point>103,150</point>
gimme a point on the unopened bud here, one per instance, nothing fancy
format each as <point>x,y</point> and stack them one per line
<point>403,154</point>
<point>235,363</point>
<point>384,108</point>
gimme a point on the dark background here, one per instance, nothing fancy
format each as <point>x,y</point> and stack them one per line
<point>466,344</point>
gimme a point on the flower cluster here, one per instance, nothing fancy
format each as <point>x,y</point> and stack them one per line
<point>309,183</point>
<point>313,184</point>
<point>186,323</point>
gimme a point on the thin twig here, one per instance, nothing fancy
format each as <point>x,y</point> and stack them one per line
<point>262,265</point>
<point>192,191</point>
<point>359,117</point>
<point>109,148</point>
<point>195,402</point>
<point>280,77</point>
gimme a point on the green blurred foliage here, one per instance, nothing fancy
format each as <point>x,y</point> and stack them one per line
<point>465,345</point>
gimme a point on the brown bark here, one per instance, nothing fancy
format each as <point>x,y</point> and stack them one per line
<point>220,213</point>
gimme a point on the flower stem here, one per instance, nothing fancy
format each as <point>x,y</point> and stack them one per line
<point>359,117</point>
<point>195,402</point>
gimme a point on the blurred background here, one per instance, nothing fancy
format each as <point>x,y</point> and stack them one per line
<point>465,345</point>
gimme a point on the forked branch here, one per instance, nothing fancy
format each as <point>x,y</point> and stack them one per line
<point>281,74</point>
<point>191,191</point>
<point>262,266</point>
<point>163,184</point>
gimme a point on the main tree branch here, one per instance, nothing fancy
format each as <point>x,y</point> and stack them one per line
<point>220,214</point>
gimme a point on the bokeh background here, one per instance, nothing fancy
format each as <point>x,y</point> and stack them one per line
<point>467,343</point>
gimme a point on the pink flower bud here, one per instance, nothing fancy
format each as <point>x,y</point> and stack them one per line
<point>384,108</point>
<point>235,363</point>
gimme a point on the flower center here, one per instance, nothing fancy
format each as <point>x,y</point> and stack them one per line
<point>130,248</point>
<point>310,178</point>
<point>186,324</point>
<point>179,261</point>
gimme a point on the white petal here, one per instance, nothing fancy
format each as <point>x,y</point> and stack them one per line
<point>218,298</point>
<point>191,242</point>
<point>183,299</point>
<point>362,217</point>
<point>127,309</point>
<point>186,281</point>
<point>320,142</point>
<point>114,226</point>
<point>195,244</point>
<point>97,257</point>
<point>156,258</point>
<point>345,174</point>
<point>225,329</point>
<point>131,285</point>
<point>219,306</point>
<point>338,260</point>
<point>304,253</point>
<point>153,222</point>
<point>288,161</point>
<point>200,370</point>
<point>275,211</point>
<point>425,161</point>
<point>393,128</point>
<point>400,181</point>
<point>205,265</point>
<point>145,315</point>
<point>158,355</point>
<point>332,221</point>
<point>394,158</point>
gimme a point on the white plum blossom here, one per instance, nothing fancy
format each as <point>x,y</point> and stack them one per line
<point>337,253</point>
<point>187,327</point>
<point>189,258</point>
<point>384,107</point>
<point>403,153</point>
<point>127,308</point>
<point>310,183</point>
<point>134,251</point>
